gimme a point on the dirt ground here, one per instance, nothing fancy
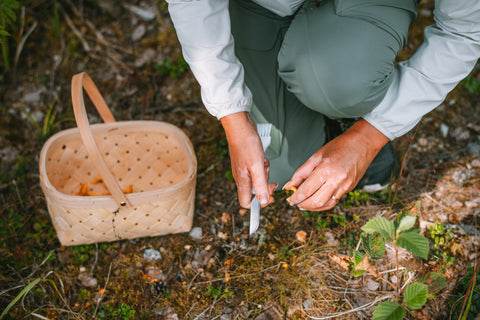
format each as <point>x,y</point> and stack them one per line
<point>286,270</point>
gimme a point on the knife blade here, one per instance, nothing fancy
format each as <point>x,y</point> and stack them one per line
<point>254,215</point>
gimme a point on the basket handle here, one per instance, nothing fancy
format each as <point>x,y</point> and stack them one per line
<point>83,80</point>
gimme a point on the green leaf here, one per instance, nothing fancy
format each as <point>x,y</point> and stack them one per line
<point>414,242</point>
<point>357,258</point>
<point>374,245</point>
<point>388,311</point>
<point>416,295</point>
<point>435,281</point>
<point>20,295</point>
<point>406,223</point>
<point>382,226</point>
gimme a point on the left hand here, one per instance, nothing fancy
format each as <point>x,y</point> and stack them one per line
<point>336,168</point>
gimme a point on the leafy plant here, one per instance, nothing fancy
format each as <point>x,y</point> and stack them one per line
<point>442,239</point>
<point>466,304</point>
<point>172,69</point>
<point>217,292</point>
<point>124,312</point>
<point>471,83</point>
<point>377,232</point>
<point>50,122</point>
<point>7,17</point>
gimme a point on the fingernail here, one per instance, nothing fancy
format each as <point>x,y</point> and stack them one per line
<point>302,209</point>
<point>263,199</point>
<point>276,186</point>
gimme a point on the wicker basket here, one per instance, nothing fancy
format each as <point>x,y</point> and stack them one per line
<point>116,180</point>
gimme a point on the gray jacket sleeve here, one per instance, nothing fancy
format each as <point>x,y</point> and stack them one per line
<point>449,53</point>
<point>203,29</point>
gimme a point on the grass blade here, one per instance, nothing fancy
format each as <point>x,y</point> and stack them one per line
<point>20,295</point>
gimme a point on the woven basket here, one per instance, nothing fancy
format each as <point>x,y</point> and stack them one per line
<point>116,180</point>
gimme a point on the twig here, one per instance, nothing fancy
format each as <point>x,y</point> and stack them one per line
<point>85,45</point>
<point>18,192</point>
<point>103,294</point>
<point>22,43</point>
<point>338,314</point>
<point>96,258</point>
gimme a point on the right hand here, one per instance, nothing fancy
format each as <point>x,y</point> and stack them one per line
<point>249,165</point>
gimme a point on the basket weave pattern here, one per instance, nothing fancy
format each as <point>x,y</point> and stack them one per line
<point>153,159</point>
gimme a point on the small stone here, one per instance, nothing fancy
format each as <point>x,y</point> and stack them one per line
<point>473,147</point>
<point>152,254</point>
<point>87,280</point>
<point>331,241</point>
<point>471,204</point>
<point>423,141</point>
<point>145,57</point>
<point>222,235</point>
<point>444,130</point>
<point>155,273</point>
<point>138,32</point>
<point>372,285</point>
<point>8,154</point>
<point>196,233</point>
<point>144,13</point>
<point>460,134</point>
<point>189,123</point>
<point>307,304</point>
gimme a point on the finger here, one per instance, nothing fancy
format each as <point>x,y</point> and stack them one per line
<point>271,189</point>
<point>259,182</point>
<point>329,204</point>
<point>303,172</point>
<point>244,188</point>
<point>308,188</point>
<point>325,198</point>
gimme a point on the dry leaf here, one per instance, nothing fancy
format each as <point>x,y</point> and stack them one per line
<point>301,236</point>
<point>365,265</point>
<point>343,261</point>
<point>225,217</point>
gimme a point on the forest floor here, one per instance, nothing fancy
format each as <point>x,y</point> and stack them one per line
<point>289,269</point>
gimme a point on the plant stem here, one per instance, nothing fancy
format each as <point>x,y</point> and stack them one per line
<point>397,284</point>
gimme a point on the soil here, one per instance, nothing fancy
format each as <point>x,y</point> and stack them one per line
<point>286,270</point>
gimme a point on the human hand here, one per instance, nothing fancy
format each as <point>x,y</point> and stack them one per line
<point>249,165</point>
<point>336,168</point>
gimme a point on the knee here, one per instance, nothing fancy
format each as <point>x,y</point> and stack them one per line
<point>338,88</point>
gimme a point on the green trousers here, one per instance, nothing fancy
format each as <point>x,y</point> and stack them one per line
<point>332,58</point>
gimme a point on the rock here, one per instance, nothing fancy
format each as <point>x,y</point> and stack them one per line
<point>331,239</point>
<point>152,254</point>
<point>8,154</point>
<point>475,163</point>
<point>146,14</point>
<point>460,134</point>
<point>87,280</point>
<point>34,97</point>
<point>473,147</point>
<point>138,32</point>
<point>307,304</point>
<point>171,314</point>
<point>196,233</point>
<point>155,273</point>
<point>444,130</point>
<point>372,285</point>
<point>459,177</point>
